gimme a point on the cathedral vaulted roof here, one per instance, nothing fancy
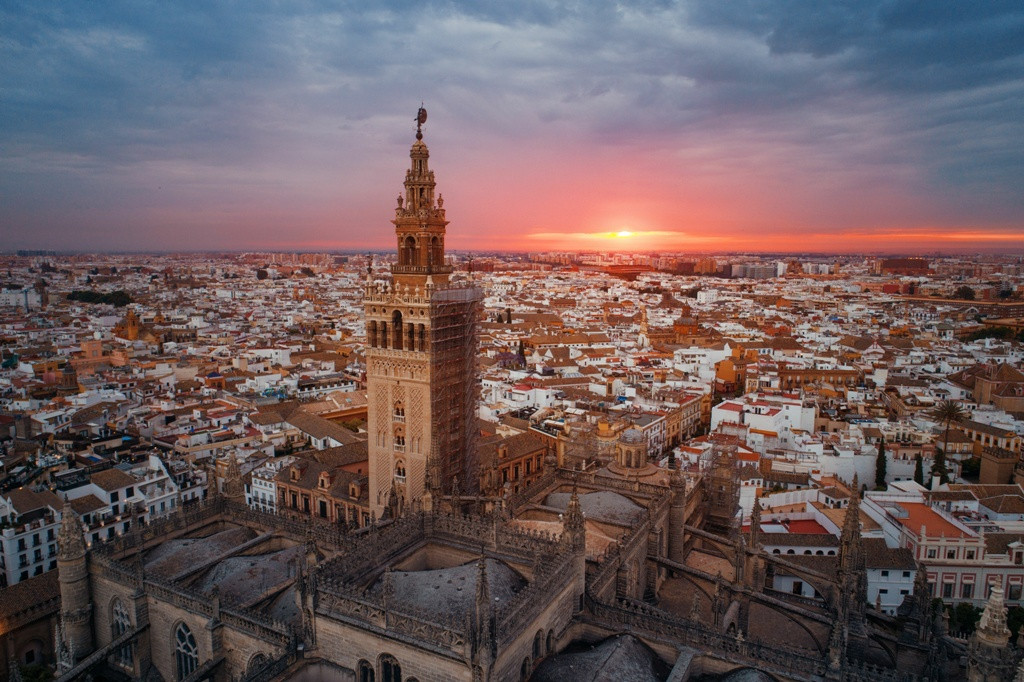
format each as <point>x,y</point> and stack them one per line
<point>450,591</point>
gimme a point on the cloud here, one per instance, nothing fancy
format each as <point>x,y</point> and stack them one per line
<point>147,115</point>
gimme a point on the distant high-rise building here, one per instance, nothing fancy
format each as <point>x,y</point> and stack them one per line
<point>421,357</point>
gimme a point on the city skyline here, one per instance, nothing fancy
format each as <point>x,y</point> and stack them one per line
<point>702,128</point>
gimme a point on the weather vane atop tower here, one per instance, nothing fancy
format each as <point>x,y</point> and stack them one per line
<point>421,118</point>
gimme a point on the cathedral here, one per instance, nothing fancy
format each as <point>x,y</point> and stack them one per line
<point>622,570</point>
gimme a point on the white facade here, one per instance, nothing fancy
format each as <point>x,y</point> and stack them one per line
<point>28,541</point>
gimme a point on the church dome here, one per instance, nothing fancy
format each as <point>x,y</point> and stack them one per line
<point>632,436</point>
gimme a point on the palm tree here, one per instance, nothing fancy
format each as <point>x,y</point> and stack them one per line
<point>947,412</point>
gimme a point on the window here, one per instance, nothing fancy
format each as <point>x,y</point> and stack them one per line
<point>883,591</point>
<point>950,553</point>
<point>323,509</point>
<point>364,672</point>
<point>114,496</point>
<point>947,590</point>
<point>400,470</point>
<point>186,653</point>
<point>967,590</point>
<point>390,670</point>
<point>932,554</point>
<point>885,574</point>
<point>906,574</point>
<point>970,554</point>
<point>121,623</point>
<point>798,587</point>
<point>1013,592</point>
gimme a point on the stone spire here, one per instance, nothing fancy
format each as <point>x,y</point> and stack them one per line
<point>851,599</point>
<point>574,523</point>
<point>755,526</point>
<point>234,489</point>
<point>482,612</point>
<point>992,626</point>
<point>852,570</point>
<point>70,540</point>
<point>989,656</point>
<point>75,592</point>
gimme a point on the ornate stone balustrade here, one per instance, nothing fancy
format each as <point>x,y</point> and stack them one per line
<point>799,663</point>
<point>549,578</point>
<point>373,612</point>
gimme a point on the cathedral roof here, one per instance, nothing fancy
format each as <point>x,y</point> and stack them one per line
<point>450,591</point>
<point>603,504</point>
<point>171,558</point>
<point>236,577</point>
<point>622,658</point>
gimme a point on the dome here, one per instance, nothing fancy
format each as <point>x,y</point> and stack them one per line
<point>632,436</point>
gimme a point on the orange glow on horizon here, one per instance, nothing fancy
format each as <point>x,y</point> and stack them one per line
<point>854,240</point>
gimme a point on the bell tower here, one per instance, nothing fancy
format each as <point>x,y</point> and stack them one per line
<point>420,357</point>
<point>420,221</point>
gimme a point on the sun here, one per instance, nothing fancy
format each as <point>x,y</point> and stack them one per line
<point>623,233</point>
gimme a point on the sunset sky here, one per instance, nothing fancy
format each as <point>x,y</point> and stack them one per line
<point>702,125</point>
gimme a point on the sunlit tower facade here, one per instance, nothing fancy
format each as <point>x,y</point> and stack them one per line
<point>421,331</point>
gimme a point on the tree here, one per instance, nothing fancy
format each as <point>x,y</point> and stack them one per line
<point>947,412</point>
<point>880,465</point>
<point>918,469</point>
<point>261,274</point>
<point>965,292</point>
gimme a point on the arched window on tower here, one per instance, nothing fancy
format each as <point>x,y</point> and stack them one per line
<point>410,334</point>
<point>436,256</point>
<point>120,623</point>
<point>390,670</point>
<point>364,672</point>
<point>396,324</point>
<point>382,332</point>
<point>422,338</point>
<point>186,653</point>
<point>409,251</point>
<point>400,471</point>
<point>371,332</point>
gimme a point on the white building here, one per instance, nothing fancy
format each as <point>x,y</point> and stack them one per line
<point>261,491</point>
<point>30,522</point>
